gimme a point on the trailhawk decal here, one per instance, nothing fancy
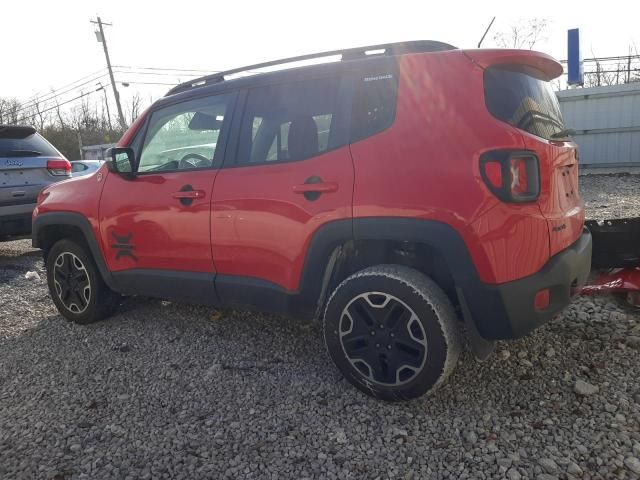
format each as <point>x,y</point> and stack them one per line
<point>123,246</point>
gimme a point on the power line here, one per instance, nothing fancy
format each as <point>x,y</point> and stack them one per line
<point>51,97</point>
<point>42,94</point>
<point>53,108</point>
<point>133,82</point>
<point>58,93</point>
<point>75,88</point>
<point>159,74</point>
<point>168,69</point>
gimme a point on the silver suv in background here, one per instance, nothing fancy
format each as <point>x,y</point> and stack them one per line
<point>28,163</point>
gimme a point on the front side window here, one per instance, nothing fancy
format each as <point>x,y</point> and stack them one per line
<point>517,96</point>
<point>184,136</point>
<point>290,122</point>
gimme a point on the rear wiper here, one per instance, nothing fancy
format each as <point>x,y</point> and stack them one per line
<point>21,153</point>
<point>566,133</point>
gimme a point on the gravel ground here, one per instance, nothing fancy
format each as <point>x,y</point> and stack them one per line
<point>611,196</point>
<point>164,390</point>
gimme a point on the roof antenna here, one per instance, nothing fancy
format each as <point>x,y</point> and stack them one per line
<point>486,31</point>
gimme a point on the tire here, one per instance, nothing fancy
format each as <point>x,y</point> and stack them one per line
<point>392,332</point>
<point>75,284</point>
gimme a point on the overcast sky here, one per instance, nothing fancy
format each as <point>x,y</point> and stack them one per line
<point>49,44</point>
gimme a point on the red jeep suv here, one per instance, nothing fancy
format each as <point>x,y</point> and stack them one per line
<point>397,194</point>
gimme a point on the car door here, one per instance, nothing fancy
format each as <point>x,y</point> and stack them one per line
<point>155,227</point>
<point>292,174</point>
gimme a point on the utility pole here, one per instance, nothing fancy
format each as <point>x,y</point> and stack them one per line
<point>102,39</point>
<point>106,103</point>
<point>80,145</point>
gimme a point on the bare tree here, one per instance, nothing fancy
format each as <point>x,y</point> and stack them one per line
<point>133,109</point>
<point>3,111</point>
<point>39,116</point>
<point>59,114</point>
<point>525,33</point>
<point>10,110</point>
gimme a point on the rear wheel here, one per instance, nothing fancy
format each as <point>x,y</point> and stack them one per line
<point>75,284</point>
<point>392,332</point>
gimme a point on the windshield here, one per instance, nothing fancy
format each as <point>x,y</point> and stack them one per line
<point>518,97</point>
<point>31,146</point>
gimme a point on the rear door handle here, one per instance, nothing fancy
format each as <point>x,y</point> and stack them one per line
<point>314,186</point>
<point>321,187</point>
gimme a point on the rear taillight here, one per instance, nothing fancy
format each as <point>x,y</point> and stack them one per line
<point>59,167</point>
<point>512,176</point>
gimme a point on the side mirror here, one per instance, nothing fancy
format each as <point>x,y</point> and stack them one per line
<point>123,161</point>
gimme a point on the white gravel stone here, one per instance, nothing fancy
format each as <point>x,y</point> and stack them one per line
<point>575,470</point>
<point>32,276</point>
<point>548,465</point>
<point>513,474</point>
<point>546,476</point>
<point>340,436</point>
<point>585,389</point>
<point>633,464</point>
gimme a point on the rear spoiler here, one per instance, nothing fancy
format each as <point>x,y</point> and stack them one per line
<point>16,131</point>
<point>542,62</point>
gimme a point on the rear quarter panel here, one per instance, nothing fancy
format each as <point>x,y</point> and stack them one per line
<point>426,165</point>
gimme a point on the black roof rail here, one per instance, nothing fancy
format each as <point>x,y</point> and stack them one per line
<point>399,48</point>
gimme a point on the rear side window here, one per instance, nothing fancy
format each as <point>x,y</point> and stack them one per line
<point>26,146</point>
<point>374,105</point>
<point>520,98</point>
<point>290,122</point>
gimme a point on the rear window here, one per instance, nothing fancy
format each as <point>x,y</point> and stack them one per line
<point>33,145</point>
<point>374,105</point>
<point>522,99</point>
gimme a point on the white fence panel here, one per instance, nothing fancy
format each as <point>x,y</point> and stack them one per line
<point>607,123</point>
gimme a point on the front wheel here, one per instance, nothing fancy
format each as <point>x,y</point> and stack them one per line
<point>392,332</point>
<point>75,284</point>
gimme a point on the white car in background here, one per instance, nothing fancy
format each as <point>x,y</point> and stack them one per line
<point>84,167</point>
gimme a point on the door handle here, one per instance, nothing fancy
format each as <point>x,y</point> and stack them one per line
<point>189,194</point>
<point>322,187</point>
<point>314,186</point>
